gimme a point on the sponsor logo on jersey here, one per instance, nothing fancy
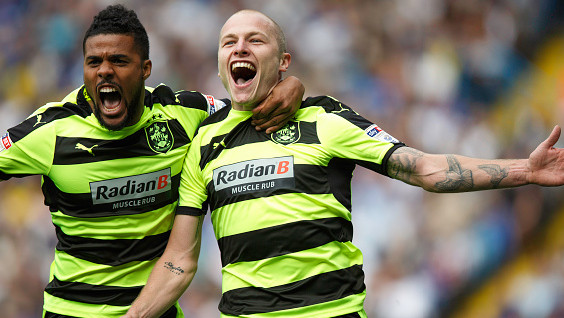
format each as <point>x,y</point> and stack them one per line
<point>6,142</point>
<point>38,120</point>
<point>288,134</point>
<point>159,136</point>
<point>376,132</point>
<point>131,191</point>
<point>80,146</point>
<point>255,175</point>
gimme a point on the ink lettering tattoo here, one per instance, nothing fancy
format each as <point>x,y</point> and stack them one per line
<point>174,270</point>
<point>403,163</point>
<point>496,172</point>
<point>456,178</point>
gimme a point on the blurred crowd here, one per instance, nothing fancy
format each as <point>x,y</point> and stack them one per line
<point>444,76</point>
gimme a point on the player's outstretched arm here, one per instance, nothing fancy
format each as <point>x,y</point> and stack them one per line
<point>279,106</point>
<point>173,272</point>
<point>455,173</point>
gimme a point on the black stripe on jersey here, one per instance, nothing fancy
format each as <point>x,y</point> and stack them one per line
<point>74,150</point>
<point>49,115</point>
<point>354,118</point>
<point>273,241</point>
<point>80,204</point>
<point>217,116</point>
<point>310,291</point>
<point>112,252</point>
<point>309,179</point>
<point>5,176</point>
<point>93,294</point>
<point>184,210</point>
<point>334,106</point>
<point>244,133</point>
<point>190,99</point>
<point>339,172</point>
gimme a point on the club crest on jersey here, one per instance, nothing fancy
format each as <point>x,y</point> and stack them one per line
<point>159,136</point>
<point>288,134</point>
<point>6,142</point>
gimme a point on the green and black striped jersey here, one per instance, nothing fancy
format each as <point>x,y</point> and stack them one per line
<point>281,207</point>
<point>112,194</point>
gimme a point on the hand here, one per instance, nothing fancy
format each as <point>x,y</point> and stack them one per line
<point>546,163</point>
<point>279,106</point>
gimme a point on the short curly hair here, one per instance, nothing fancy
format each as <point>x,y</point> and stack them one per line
<point>117,19</point>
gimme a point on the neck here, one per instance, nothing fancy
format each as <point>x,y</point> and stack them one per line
<point>244,107</point>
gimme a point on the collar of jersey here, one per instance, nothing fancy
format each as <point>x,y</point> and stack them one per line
<point>240,114</point>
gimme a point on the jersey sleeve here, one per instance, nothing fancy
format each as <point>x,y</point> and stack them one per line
<point>215,104</point>
<point>27,149</point>
<point>346,134</point>
<point>192,191</point>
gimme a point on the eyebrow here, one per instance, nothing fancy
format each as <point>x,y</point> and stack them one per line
<point>250,34</point>
<point>113,56</point>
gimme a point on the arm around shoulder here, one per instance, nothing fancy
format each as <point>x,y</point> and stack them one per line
<point>280,105</point>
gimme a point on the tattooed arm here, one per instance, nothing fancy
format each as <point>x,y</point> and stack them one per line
<point>454,173</point>
<point>173,272</point>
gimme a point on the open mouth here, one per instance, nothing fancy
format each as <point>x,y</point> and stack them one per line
<point>243,72</point>
<point>110,98</point>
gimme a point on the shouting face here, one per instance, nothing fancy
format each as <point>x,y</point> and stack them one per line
<point>250,60</point>
<point>114,77</point>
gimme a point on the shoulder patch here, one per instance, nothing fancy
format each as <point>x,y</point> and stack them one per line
<point>6,142</point>
<point>376,132</point>
<point>214,104</point>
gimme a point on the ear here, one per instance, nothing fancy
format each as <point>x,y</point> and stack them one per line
<point>147,67</point>
<point>285,62</point>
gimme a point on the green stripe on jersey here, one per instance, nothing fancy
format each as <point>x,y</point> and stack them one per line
<point>133,226</point>
<point>83,310</point>
<point>69,268</point>
<point>289,268</point>
<point>238,215</point>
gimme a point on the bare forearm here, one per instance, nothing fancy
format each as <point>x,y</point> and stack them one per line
<point>173,272</point>
<point>454,173</point>
<point>168,281</point>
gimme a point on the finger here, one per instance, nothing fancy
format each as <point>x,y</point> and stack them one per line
<point>261,111</point>
<point>264,120</point>
<point>275,123</point>
<point>553,138</point>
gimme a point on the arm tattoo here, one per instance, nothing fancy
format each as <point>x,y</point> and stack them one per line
<point>174,270</point>
<point>403,163</point>
<point>496,172</point>
<point>456,177</point>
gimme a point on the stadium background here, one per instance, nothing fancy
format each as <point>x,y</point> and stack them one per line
<point>480,78</point>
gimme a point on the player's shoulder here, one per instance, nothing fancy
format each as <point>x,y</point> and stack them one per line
<point>74,103</point>
<point>216,117</point>
<point>165,96</point>
<point>327,103</point>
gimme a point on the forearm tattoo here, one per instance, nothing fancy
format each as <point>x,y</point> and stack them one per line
<point>173,269</point>
<point>403,163</point>
<point>496,172</point>
<point>456,178</point>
